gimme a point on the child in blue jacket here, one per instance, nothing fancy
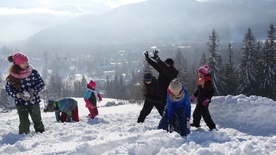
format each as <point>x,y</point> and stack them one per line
<point>178,103</point>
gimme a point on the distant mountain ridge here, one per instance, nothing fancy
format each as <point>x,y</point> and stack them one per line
<point>163,21</point>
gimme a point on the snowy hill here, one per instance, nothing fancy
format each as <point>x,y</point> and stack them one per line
<point>246,126</point>
<point>158,20</point>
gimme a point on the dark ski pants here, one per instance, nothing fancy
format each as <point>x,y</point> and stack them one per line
<point>163,101</point>
<point>181,117</point>
<point>147,107</point>
<point>203,111</point>
<point>34,112</point>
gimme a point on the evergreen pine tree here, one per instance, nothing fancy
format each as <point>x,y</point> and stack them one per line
<point>229,74</point>
<point>68,88</point>
<point>108,86</point>
<point>147,68</point>
<point>55,86</point>
<point>180,63</point>
<point>3,95</point>
<point>83,86</point>
<point>122,89</point>
<point>45,65</point>
<point>203,60</point>
<point>259,68</point>
<point>267,61</point>
<point>134,86</point>
<point>215,62</point>
<point>116,85</point>
<point>247,68</point>
<point>80,87</point>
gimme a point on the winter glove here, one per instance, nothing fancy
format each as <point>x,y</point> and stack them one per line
<point>22,96</point>
<point>155,55</point>
<point>146,55</point>
<point>31,92</point>
<point>19,95</point>
<point>192,98</point>
<point>100,97</point>
<point>205,102</point>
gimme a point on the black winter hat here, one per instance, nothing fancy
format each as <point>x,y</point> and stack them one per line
<point>169,61</point>
<point>148,77</point>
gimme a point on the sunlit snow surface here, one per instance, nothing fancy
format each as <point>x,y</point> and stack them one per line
<point>246,126</point>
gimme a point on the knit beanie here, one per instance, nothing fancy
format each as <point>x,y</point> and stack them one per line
<point>19,58</point>
<point>147,77</point>
<point>204,69</point>
<point>169,61</point>
<point>91,84</point>
<point>50,106</point>
<point>175,86</point>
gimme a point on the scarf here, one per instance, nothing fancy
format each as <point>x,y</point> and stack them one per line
<point>178,97</point>
<point>23,74</point>
<point>206,78</point>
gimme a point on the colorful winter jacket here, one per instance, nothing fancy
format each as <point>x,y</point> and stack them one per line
<point>205,92</point>
<point>33,81</point>
<point>91,97</point>
<point>66,105</point>
<point>184,103</point>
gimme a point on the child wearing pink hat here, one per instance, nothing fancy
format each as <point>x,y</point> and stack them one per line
<point>91,98</point>
<point>204,93</point>
<point>24,84</point>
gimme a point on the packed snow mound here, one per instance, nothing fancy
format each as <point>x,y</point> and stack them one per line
<point>253,115</point>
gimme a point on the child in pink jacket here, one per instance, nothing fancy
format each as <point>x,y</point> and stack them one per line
<point>91,98</point>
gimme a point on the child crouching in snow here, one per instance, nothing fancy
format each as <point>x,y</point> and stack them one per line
<point>178,103</point>
<point>91,98</point>
<point>68,108</point>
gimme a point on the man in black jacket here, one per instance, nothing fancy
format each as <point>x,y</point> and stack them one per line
<point>150,92</point>
<point>167,73</point>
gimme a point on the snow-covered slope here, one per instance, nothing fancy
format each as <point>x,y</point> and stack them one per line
<point>246,126</point>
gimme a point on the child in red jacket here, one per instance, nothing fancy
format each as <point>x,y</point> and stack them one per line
<point>91,98</point>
